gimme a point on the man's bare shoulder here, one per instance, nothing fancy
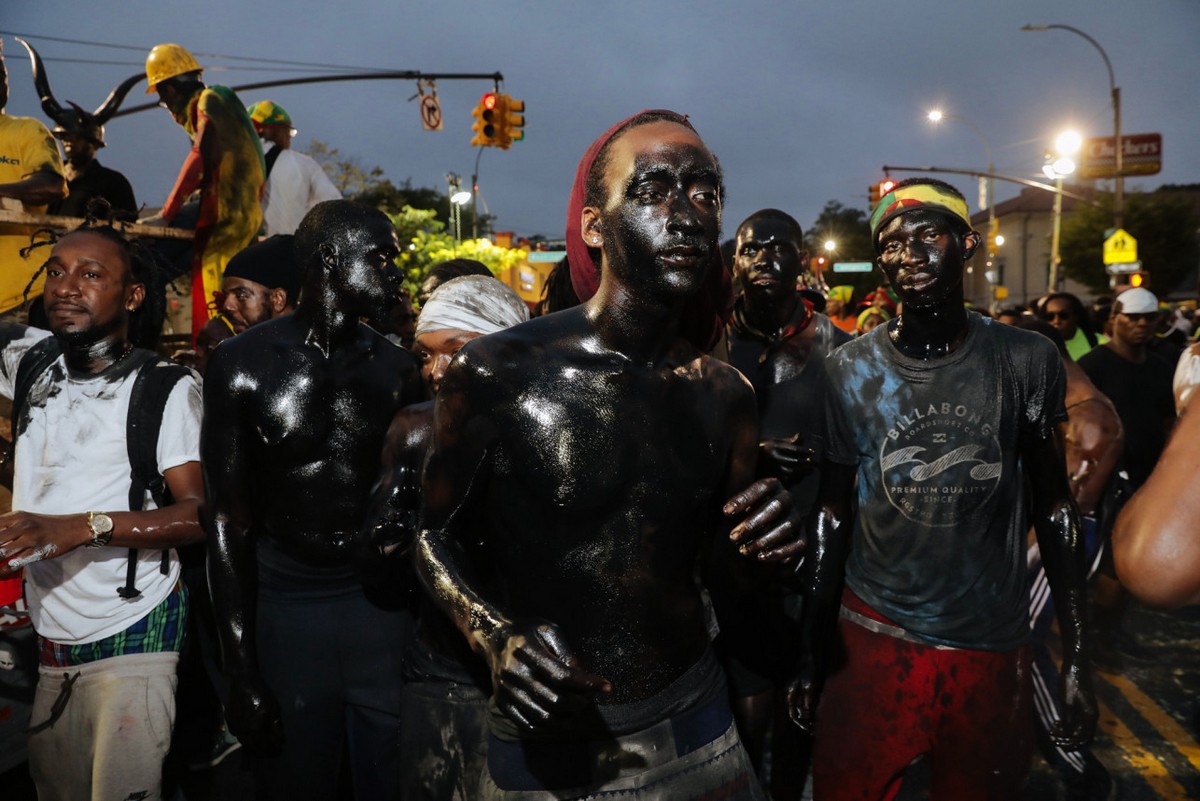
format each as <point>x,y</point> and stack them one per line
<point>562,335</point>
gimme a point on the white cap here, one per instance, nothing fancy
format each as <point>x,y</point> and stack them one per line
<point>1137,301</point>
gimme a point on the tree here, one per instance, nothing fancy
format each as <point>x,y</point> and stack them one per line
<point>1165,223</point>
<point>424,243</point>
<point>850,229</point>
<point>374,188</point>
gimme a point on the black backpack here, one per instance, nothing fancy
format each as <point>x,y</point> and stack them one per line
<point>156,377</point>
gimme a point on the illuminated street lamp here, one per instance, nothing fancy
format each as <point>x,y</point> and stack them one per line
<point>1059,165</point>
<point>1119,183</point>
<point>458,198</point>
<point>830,245</point>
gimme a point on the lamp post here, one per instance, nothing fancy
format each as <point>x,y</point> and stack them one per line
<point>1059,164</point>
<point>1119,183</point>
<point>458,198</point>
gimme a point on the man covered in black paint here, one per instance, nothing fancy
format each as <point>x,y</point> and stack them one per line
<point>296,412</point>
<point>779,341</point>
<point>949,422</point>
<point>590,453</point>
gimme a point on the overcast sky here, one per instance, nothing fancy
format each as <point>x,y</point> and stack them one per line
<point>803,102</point>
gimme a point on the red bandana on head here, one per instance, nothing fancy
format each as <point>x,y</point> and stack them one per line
<point>705,317</point>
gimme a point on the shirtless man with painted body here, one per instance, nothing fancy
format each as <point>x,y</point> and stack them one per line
<point>592,451</point>
<point>295,415</point>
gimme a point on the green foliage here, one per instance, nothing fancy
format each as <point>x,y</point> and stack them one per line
<point>421,216</point>
<point>850,228</point>
<point>424,243</point>
<point>1165,224</point>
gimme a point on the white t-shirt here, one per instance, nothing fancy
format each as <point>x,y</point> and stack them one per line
<point>295,185</point>
<point>72,458</point>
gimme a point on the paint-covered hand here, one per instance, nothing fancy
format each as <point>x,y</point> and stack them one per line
<point>785,459</point>
<point>1078,722</point>
<point>253,715</point>
<point>26,538</point>
<point>395,530</point>
<point>535,675</point>
<point>802,695</point>
<point>769,527</point>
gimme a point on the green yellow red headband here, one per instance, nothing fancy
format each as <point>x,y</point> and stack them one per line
<point>916,196</point>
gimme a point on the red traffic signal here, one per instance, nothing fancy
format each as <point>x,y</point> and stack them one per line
<point>486,125</point>
<point>879,190</point>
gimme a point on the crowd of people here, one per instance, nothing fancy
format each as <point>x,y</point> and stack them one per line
<point>686,531</point>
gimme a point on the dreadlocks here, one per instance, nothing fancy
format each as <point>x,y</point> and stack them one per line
<point>145,323</point>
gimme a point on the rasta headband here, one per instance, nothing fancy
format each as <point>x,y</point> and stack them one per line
<point>917,196</point>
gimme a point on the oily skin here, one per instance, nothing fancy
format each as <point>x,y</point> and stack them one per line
<point>923,259</point>
<point>435,349</point>
<point>303,402</point>
<point>89,294</point>
<point>588,451</point>
<point>768,257</point>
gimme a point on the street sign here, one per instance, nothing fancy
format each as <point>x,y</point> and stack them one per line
<point>853,267</point>
<point>1120,247</point>
<point>1141,155</point>
<point>1123,268</point>
<point>431,113</point>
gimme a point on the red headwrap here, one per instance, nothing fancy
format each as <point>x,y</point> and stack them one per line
<point>705,317</point>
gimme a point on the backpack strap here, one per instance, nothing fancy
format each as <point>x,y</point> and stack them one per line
<point>155,379</point>
<point>34,362</point>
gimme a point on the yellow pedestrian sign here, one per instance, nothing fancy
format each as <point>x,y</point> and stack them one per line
<point>1120,248</point>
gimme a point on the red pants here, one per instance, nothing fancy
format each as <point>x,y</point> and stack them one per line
<point>892,700</point>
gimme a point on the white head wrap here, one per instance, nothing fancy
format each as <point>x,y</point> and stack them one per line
<point>476,303</point>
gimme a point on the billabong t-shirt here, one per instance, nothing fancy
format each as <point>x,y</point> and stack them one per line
<point>939,538</point>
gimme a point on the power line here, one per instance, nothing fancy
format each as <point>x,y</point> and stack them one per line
<point>138,49</point>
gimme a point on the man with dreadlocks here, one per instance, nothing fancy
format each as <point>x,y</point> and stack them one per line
<point>225,164</point>
<point>94,538</point>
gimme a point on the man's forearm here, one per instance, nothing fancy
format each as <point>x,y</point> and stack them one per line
<point>439,566</point>
<point>233,586</point>
<point>1060,540</point>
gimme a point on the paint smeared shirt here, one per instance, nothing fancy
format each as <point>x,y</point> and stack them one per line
<point>72,457</point>
<point>939,537</point>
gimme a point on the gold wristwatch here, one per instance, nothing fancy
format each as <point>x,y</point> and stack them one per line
<point>102,529</point>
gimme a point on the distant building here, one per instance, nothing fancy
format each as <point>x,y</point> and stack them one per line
<point>1023,262</point>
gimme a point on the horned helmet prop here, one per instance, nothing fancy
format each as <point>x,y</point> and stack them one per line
<point>74,119</point>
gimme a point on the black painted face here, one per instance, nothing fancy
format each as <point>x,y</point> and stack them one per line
<point>662,223</point>
<point>768,258</point>
<point>368,278</point>
<point>923,257</point>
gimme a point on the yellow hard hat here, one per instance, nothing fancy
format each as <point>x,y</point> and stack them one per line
<point>167,61</point>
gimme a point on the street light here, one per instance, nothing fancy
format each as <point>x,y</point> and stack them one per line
<point>937,115</point>
<point>458,197</point>
<point>830,245</point>
<point>1059,165</point>
<point>1119,183</point>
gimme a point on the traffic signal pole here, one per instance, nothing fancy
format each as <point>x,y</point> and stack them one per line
<point>998,177</point>
<point>401,75</point>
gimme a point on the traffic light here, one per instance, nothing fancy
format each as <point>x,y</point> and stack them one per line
<point>514,119</point>
<point>486,126</point>
<point>1139,279</point>
<point>879,190</point>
